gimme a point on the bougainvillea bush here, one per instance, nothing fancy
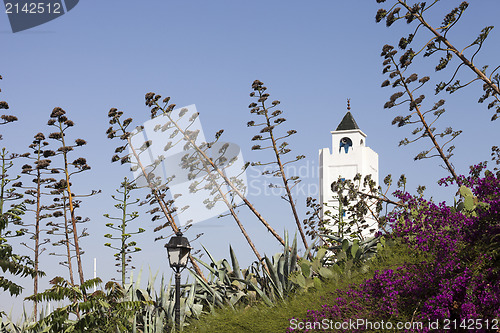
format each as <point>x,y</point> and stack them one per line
<point>457,286</point>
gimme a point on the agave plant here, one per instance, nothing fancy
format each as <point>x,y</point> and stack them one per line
<point>158,314</point>
<point>227,284</point>
<point>280,269</point>
<point>267,281</point>
<point>356,250</point>
<point>333,262</point>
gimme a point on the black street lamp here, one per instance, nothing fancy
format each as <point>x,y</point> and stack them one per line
<point>178,249</point>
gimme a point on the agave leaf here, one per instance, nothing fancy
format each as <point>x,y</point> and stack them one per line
<point>370,242</point>
<point>259,291</point>
<point>281,276</point>
<point>225,269</point>
<point>335,238</point>
<point>237,284</point>
<point>218,300</point>
<point>278,289</point>
<point>210,256</point>
<point>169,287</point>
<point>234,298</point>
<point>138,282</point>
<point>293,256</point>
<point>151,282</point>
<point>286,267</point>
<point>142,295</point>
<point>196,310</point>
<point>210,268</point>
<point>192,294</point>
<point>234,261</point>
<point>276,259</point>
<point>162,299</point>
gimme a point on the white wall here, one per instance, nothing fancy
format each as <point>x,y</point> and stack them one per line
<point>338,164</point>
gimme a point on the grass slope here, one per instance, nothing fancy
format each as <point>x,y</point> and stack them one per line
<point>262,318</point>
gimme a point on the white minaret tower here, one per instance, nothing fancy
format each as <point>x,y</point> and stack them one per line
<point>349,156</point>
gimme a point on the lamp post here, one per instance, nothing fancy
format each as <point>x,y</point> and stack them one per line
<point>178,249</point>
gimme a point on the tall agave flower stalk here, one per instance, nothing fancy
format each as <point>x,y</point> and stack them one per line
<point>269,135</point>
<point>123,134</point>
<point>62,123</point>
<point>216,189</point>
<point>166,109</point>
<point>441,42</point>
<point>418,115</point>
<point>34,199</point>
<point>203,178</point>
<point>126,247</point>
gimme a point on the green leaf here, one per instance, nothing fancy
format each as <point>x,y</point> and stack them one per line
<point>276,283</point>
<point>316,264</point>
<point>336,268</point>
<point>469,203</point>
<point>345,245</point>
<point>257,289</point>
<point>325,273</point>
<point>379,247</point>
<point>465,191</point>
<point>299,279</point>
<point>234,261</point>
<point>305,267</point>
<point>317,282</point>
<point>341,256</point>
<point>321,253</point>
<point>293,255</point>
<point>354,249</point>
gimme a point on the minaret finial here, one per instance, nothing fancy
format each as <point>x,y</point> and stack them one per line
<point>348,104</point>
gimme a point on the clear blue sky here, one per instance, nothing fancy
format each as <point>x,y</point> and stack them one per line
<point>311,55</point>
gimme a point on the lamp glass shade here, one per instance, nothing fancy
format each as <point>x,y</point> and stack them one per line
<point>178,249</point>
<point>173,256</point>
<point>184,254</point>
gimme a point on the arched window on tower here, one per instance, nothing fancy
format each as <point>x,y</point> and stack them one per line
<point>345,143</point>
